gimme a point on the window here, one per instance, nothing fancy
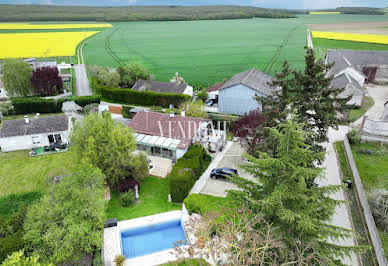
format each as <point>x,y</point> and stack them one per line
<point>36,140</point>
<point>58,138</point>
<point>51,139</point>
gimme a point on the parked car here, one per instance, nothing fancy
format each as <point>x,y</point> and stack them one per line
<point>223,173</point>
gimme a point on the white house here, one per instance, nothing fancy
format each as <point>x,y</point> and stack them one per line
<point>28,133</point>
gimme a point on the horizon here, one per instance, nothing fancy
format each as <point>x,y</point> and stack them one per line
<point>275,4</point>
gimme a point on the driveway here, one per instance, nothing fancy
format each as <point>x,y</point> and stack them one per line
<point>379,94</point>
<point>82,82</point>
<point>232,158</point>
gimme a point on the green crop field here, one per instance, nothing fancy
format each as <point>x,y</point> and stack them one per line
<point>205,52</point>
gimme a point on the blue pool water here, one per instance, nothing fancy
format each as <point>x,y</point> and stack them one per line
<point>152,238</point>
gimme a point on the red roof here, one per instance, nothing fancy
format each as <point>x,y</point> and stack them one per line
<point>162,125</point>
<point>216,86</point>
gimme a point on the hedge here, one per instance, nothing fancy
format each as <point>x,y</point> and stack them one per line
<point>33,105</point>
<point>40,105</point>
<point>186,172</point>
<point>202,204</point>
<point>146,98</point>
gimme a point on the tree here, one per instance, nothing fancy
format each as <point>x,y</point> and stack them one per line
<point>109,77</point>
<point>18,258</point>
<point>17,77</point>
<point>193,109</point>
<point>110,146</point>
<point>202,94</point>
<point>249,131</point>
<point>288,197</point>
<point>6,108</point>
<point>68,222</point>
<point>130,74</point>
<point>46,81</point>
<point>309,97</point>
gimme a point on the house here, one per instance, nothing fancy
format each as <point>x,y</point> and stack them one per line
<point>167,135</point>
<point>28,133</point>
<point>351,88</point>
<point>213,91</point>
<point>236,96</point>
<point>174,86</point>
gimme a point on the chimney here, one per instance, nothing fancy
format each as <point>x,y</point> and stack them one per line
<point>26,119</point>
<point>183,112</point>
<point>172,115</point>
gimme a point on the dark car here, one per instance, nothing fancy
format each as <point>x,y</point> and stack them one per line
<point>223,173</point>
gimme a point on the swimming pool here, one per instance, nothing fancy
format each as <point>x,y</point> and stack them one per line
<point>152,238</point>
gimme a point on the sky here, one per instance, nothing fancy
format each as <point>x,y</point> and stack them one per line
<point>290,4</point>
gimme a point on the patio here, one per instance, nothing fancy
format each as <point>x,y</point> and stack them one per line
<point>42,151</point>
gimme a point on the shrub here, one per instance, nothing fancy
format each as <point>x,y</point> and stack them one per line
<point>378,202</point>
<point>91,108</point>
<point>186,172</point>
<point>354,137</point>
<point>127,198</point>
<point>202,95</point>
<point>46,81</point>
<point>80,100</point>
<point>365,151</point>
<point>119,260</point>
<point>33,105</point>
<point>126,111</point>
<point>202,204</point>
<point>147,98</point>
<point>128,184</point>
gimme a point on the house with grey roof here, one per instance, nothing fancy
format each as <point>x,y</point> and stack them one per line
<point>164,87</point>
<point>237,95</point>
<point>28,133</point>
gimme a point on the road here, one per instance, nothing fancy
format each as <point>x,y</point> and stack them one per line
<point>82,82</point>
<point>342,217</point>
<point>309,40</point>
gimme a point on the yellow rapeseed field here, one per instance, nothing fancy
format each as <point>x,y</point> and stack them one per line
<point>324,13</point>
<point>369,38</point>
<point>29,26</point>
<point>48,44</point>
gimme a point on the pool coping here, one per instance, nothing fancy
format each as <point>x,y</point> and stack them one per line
<point>112,239</point>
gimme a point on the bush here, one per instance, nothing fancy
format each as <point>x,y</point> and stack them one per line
<point>378,202</point>
<point>33,105</point>
<point>119,260</point>
<point>80,100</point>
<point>202,95</point>
<point>354,137</point>
<point>126,111</point>
<point>365,151</point>
<point>187,171</point>
<point>127,198</point>
<point>128,184</point>
<point>147,98</point>
<point>201,204</point>
<point>91,108</point>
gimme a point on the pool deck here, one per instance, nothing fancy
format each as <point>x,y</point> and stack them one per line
<point>112,242</point>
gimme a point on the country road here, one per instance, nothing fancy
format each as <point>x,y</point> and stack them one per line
<point>82,82</point>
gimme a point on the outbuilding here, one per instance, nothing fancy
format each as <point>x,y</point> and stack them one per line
<point>28,133</point>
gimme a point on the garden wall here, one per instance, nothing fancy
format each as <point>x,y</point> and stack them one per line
<point>373,232</point>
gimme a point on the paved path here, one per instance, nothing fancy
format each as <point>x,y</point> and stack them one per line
<point>380,96</point>
<point>309,40</point>
<point>342,216</point>
<point>82,82</point>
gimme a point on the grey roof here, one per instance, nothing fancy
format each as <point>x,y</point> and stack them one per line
<point>254,79</point>
<point>12,128</point>
<point>356,58</point>
<point>158,86</point>
<point>351,86</point>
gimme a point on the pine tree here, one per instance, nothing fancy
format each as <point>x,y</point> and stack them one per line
<point>309,97</point>
<point>301,212</point>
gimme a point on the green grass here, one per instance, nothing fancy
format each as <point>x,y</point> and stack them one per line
<point>368,258</point>
<point>187,262</point>
<point>205,52</point>
<point>20,173</point>
<point>21,116</point>
<point>11,203</point>
<point>355,114</point>
<point>153,199</point>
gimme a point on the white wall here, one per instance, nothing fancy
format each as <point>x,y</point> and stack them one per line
<point>25,142</point>
<point>189,91</point>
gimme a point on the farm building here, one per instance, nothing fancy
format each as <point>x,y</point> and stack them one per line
<point>164,87</point>
<point>372,64</point>
<point>166,135</point>
<point>22,134</point>
<point>236,96</point>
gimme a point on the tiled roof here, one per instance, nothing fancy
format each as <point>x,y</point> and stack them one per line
<point>12,128</point>
<point>254,79</point>
<point>158,86</point>
<point>216,86</point>
<point>159,124</point>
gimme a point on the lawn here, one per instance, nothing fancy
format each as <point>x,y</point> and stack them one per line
<point>373,170</point>
<point>20,173</point>
<point>205,52</point>
<point>355,114</point>
<point>21,116</point>
<point>153,200</point>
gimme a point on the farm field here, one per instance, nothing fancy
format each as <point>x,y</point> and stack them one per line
<point>52,44</point>
<point>31,26</point>
<point>367,38</point>
<point>205,52</point>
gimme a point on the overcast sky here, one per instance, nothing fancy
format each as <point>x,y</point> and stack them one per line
<point>295,4</point>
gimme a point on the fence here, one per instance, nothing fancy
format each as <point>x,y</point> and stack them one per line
<point>370,222</point>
